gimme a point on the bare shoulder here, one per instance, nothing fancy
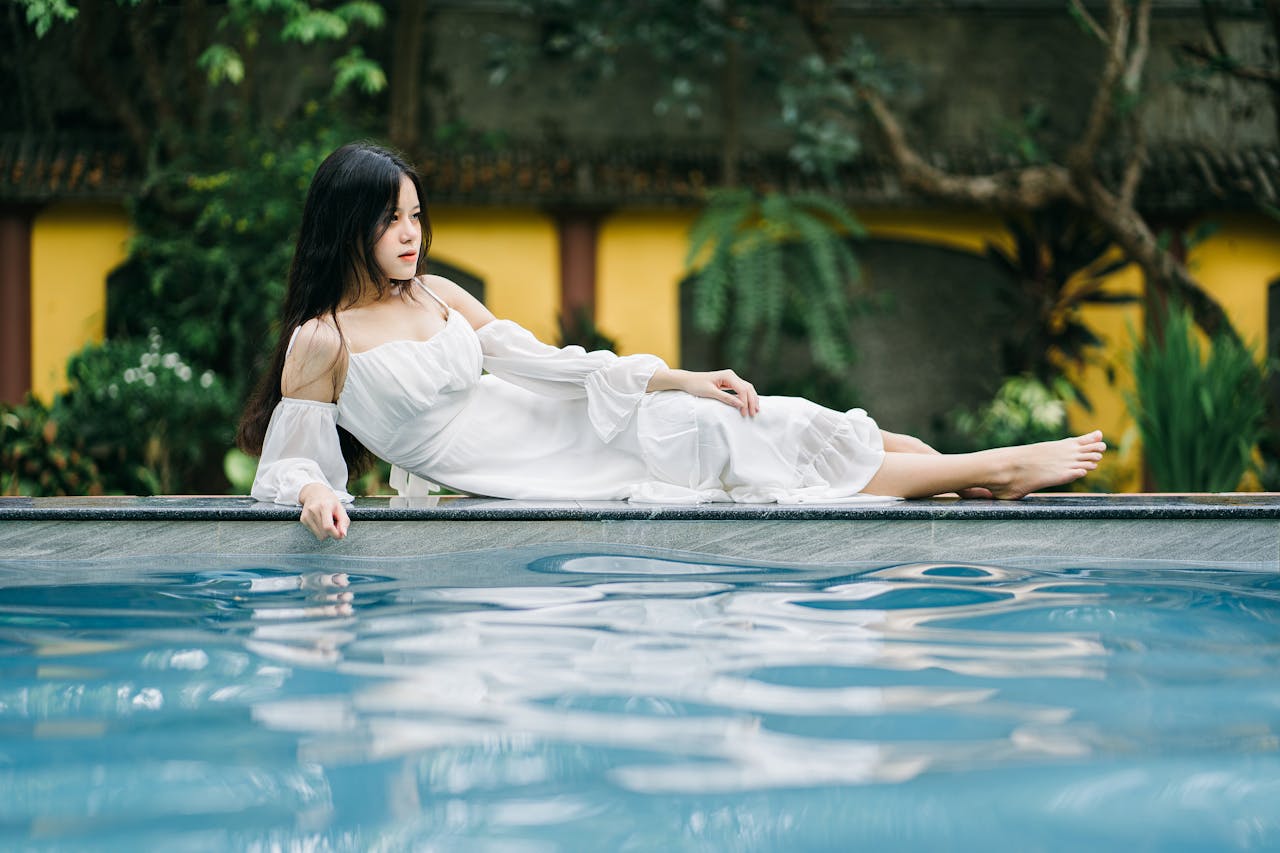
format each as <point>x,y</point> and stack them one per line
<point>458,299</point>
<point>313,367</point>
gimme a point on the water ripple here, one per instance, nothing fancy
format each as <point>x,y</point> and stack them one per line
<point>556,692</point>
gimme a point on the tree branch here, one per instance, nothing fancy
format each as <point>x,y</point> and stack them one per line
<point>1228,65</point>
<point>1025,188</point>
<point>1032,187</point>
<point>1137,158</point>
<point>1210,16</point>
<point>1083,153</point>
<point>1089,21</point>
<point>1141,49</point>
<point>1134,165</point>
<point>1139,244</point>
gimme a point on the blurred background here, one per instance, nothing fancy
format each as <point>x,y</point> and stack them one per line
<point>984,221</point>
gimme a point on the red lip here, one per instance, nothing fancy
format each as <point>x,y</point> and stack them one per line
<point>408,255</point>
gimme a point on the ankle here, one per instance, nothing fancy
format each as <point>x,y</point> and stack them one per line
<point>1000,470</point>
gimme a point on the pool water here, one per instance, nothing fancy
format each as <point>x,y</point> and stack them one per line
<point>566,699</point>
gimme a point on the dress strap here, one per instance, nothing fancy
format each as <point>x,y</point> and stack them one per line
<point>443,304</point>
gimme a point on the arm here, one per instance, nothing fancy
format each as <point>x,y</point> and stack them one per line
<point>301,458</point>
<point>715,384</point>
<point>519,357</point>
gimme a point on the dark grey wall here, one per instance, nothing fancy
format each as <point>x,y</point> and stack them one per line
<point>933,346</point>
<point>964,73</point>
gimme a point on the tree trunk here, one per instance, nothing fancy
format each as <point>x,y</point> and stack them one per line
<point>404,125</point>
<point>731,136</point>
<point>94,32</point>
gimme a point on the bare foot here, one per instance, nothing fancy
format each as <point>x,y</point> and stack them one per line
<point>1032,467</point>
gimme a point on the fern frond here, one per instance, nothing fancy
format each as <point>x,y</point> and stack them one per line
<point>725,215</point>
<point>833,209</point>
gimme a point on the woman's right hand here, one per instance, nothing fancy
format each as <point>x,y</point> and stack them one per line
<point>322,513</point>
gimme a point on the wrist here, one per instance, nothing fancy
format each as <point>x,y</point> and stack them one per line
<point>313,491</point>
<point>667,379</point>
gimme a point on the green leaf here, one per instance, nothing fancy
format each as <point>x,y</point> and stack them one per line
<point>222,62</point>
<point>311,25</point>
<point>42,14</point>
<point>364,12</point>
<point>356,69</point>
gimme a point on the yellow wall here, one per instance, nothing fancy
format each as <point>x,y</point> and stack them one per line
<point>1236,264</point>
<point>73,247</point>
<point>639,265</point>
<point>516,254</point>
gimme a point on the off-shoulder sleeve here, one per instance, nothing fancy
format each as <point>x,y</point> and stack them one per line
<point>613,385</point>
<point>301,447</point>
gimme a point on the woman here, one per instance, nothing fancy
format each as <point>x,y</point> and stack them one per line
<point>375,357</point>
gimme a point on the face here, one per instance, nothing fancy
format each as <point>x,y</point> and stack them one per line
<point>396,251</point>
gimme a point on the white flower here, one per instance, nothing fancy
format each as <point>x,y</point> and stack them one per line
<point>130,376</point>
<point>171,360</point>
<point>206,379</point>
<point>1049,413</point>
<point>150,359</point>
<point>149,379</point>
<point>113,390</point>
<point>184,372</point>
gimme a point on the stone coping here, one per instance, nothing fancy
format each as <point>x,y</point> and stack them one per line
<point>1252,505</point>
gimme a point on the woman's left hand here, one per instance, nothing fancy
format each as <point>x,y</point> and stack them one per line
<point>717,385</point>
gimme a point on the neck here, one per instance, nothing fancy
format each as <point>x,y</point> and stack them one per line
<point>367,293</point>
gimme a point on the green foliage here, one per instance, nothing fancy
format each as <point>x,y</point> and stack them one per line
<point>820,104</point>
<point>1024,410</point>
<point>41,14</point>
<point>769,259</point>
<point>150,420</point>
<point>211,255</point>
<point>227,43</point>
<point>239,468</point>
<point>1059,263</point>
<point>222,62</point>
<point>1200,417</point>
<point>356,69</point>
<point>690,45</point>
<point>1024,138</point>
<point>40,458</point>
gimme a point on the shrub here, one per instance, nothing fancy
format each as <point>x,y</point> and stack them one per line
<point>1024,410</point>
<point>151,421</point>
<point>215,236</point>
<point>1200,417</point>
<point>41,459</point>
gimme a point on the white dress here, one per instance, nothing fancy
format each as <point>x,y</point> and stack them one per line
<point>559,423</point>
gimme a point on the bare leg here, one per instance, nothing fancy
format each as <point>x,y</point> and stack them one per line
<point>900,443</point>
<point>1008,472</point>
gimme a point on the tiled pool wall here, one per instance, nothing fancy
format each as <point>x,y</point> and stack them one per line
<point>1217,529</point>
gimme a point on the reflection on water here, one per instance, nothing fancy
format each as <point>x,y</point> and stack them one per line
<point>643,700</point>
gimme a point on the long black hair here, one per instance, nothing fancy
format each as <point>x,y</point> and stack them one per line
<point>348,209</point>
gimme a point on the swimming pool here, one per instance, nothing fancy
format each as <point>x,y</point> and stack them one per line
<point>548,698</point>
